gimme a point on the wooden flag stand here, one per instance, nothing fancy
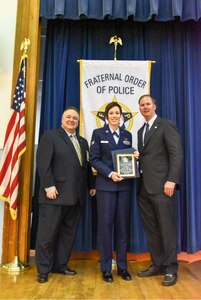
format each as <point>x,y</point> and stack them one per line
<point>16,266</point>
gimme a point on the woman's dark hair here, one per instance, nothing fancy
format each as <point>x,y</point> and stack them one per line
<point>111,105</point>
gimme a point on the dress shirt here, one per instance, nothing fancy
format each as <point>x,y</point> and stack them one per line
<point>150,124</point>
<point>115,136</point>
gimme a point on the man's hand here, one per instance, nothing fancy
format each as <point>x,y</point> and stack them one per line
<point>52,194</point>
<point>169,188</point>
<point>136,154</point>
<point>92,192</point>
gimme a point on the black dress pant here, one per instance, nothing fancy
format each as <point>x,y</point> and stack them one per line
<point>158,215</point>
<point>56,233</point>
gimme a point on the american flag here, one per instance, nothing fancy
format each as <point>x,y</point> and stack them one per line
<point>14,143</point>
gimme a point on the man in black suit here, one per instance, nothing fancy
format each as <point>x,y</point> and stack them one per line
<point>160,160</point>
<point>65,174</point>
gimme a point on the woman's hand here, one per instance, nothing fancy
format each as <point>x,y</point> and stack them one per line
<point>116,177</point>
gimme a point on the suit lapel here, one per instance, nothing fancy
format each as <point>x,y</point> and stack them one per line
<point>66,138</point>
<point>140,143</point>
<point>80,140</point>
<point>152,130</point>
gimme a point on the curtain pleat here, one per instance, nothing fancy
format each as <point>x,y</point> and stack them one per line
<point>138,10</point>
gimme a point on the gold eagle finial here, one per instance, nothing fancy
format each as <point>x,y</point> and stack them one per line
<point>25,44</point>
<point>116,40</point>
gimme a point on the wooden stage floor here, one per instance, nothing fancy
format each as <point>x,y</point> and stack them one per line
<point>88,283</point>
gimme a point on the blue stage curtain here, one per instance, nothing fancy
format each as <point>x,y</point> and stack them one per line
<point>175,83</point>
<point>138,10</point>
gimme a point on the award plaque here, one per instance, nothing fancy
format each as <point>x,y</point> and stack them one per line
<point>124,163</point>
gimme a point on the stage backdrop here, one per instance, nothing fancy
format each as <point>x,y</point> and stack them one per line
<point>175,83</point>
<point>104,81</point>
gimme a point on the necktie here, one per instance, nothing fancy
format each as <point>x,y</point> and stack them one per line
<point>116,136</point>
<point>146,132</point>
<point>115,133</point>
<point>77,147</point>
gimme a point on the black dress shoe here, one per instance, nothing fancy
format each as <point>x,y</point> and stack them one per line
<point>68,271</point>
<point>151,271</point>
<point>42,278</point>
<point>107,276</point>
<point>124,274</point>
<point>169,279</point>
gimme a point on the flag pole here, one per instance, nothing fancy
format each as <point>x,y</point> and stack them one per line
<point>116,40</point>
<point>16,266</point>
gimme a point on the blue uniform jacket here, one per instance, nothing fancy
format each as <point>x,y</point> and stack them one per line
<point>102,143</point>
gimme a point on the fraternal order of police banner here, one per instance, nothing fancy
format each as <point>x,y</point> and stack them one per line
<point>104,81</point>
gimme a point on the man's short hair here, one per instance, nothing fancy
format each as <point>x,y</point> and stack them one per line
<point>148,95</point>
<point>71,107</point>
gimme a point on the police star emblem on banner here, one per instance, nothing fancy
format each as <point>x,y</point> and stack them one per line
<point>127,116</point>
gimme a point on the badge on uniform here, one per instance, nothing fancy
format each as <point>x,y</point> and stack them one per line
<point>126,142</point>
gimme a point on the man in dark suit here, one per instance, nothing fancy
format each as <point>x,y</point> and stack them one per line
<point>113,192</point>
<point>65,174</point>
<point>160,162</point>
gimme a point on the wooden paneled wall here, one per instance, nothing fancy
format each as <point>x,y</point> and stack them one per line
<point>16,234</point>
